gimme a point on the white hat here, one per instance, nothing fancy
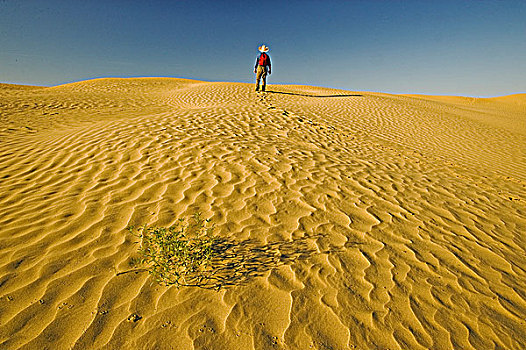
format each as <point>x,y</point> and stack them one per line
<point>263,48</point>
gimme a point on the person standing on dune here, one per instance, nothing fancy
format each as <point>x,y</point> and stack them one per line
<point>262,67</point>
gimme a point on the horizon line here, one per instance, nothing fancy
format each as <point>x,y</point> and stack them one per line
<point>268,84</point>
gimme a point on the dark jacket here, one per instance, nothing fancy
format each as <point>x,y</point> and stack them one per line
<point>262,61</point>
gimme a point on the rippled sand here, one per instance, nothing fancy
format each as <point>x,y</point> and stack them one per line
<point>370,221</point>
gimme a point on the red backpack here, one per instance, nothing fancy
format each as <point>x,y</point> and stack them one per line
<point>263,60</point>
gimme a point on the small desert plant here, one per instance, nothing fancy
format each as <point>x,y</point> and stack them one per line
<point>178,255</point>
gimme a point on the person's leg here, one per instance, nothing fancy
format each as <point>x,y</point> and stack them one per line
<point>264,77</point>
<point>259,72</point>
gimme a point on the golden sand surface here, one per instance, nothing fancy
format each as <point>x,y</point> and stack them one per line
<point>370,220</point>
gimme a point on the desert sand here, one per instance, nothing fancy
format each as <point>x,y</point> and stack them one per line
<point>368,220</point>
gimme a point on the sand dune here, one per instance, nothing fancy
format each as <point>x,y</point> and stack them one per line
<point>373,221</point>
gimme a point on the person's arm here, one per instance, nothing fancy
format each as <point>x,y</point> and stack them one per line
<point>256,66</point>
<point>269,66</point>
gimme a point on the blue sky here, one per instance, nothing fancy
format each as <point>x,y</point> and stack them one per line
<point>470,48</point>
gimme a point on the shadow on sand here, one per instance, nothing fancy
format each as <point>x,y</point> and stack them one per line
<point>306,95</point>
<point>236,263</point>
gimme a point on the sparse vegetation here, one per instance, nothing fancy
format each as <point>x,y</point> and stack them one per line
<point>179,255</point>
<point>189,254</point>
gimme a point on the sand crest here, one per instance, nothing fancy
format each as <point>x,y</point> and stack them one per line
<point>371,221</point>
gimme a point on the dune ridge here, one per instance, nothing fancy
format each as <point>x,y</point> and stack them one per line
<point>377,221</point>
